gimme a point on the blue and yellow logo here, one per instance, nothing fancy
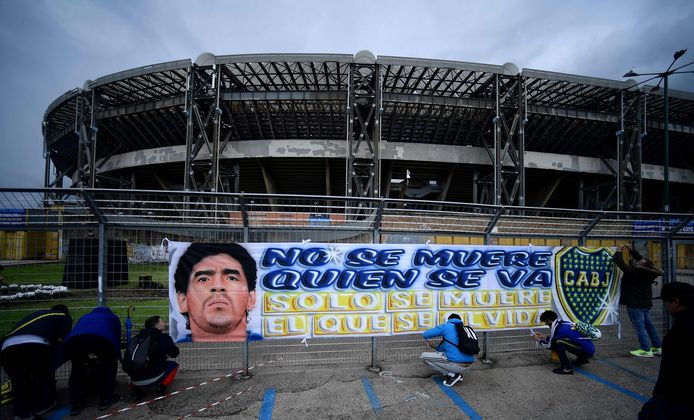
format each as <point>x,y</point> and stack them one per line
<point>585,283</point>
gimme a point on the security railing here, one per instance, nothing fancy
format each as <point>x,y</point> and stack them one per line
<point>118,234</point>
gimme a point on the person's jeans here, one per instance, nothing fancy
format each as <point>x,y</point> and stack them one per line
<point>441,364</point>
<point>641,320</point>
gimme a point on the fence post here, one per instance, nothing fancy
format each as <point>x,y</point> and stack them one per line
<point>375,239</point>
<point>246,238</point>
<point>668,270</point>
<point>101,269</point>
<point>103,246</point>
<point>487,239</point>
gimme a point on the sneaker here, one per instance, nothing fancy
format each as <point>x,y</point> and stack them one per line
<point>563,371</point>
<point>641,353</point>
<point>657,351</point>
<point>579,362</point>
<point>104,404</point>
<point>452,380</point>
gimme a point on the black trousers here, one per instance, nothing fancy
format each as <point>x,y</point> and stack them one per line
<point>564,345</point>
<point>32,372</point>
<point>78,349</point>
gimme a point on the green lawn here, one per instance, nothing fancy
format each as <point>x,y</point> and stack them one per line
<point>146,302</point>
<point>52,273</point>
<point>10,315</point>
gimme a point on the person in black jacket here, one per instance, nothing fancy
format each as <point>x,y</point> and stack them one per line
<point>636,294</point>
<point>671,398</point>
<point>29,355</point>
<point>160,372</point>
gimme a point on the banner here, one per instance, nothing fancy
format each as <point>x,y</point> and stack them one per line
<point>12,217</point>
<point>302,290</point>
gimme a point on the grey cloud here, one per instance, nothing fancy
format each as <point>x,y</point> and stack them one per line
<point>50,47</point>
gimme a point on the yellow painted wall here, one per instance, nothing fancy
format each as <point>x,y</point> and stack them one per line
<point>51,246</point>
<point>28,245</point>
<point>458,240</point>
<point>685,256</point>
<point>13,246</point>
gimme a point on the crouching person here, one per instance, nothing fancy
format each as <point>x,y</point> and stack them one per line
<point>448,359</point>
<point>153,371</point>
<point>564,338</point>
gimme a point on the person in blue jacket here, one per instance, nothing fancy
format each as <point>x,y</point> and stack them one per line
<point>447,359</point>
<point>96,333</point>
<point>563,337</point>
<point>29,357</point>
<point>159,371</point>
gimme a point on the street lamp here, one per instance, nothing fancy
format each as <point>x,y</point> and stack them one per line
<point>663,78</point>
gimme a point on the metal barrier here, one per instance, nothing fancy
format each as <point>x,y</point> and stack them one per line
<point>104,243</point>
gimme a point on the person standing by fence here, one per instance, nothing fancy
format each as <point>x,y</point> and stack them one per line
<point>636,293</point>
<point>29,356</point>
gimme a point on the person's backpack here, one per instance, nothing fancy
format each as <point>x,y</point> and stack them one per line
<point>467,339</point>
<point>137,354</point>
<point>588,330</point>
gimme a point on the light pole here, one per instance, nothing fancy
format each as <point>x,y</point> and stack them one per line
<point>663,77</point>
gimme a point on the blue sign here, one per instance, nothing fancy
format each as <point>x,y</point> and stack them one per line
<point>662,225</point>
<point>11,217</point>
<point>319,219</point>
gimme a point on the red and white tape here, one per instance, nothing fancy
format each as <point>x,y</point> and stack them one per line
<point>188,388</point>
<point>215,403</point>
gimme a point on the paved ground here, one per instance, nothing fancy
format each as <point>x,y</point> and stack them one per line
<point>514,387</point>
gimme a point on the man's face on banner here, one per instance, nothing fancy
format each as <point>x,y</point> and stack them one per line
<point>217,299</point>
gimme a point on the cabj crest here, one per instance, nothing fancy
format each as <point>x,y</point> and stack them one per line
<point>585,283</point>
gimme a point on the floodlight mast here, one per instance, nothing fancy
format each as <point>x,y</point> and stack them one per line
<point>664,78</point>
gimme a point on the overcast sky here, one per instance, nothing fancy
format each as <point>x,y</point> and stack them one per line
<point>50,47</point>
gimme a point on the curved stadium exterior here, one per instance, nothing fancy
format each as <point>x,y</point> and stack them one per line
<point>361,126</point>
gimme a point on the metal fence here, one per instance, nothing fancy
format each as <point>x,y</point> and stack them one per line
<point>104,244</point>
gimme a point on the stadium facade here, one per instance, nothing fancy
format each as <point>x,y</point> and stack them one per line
<point>366,126</point>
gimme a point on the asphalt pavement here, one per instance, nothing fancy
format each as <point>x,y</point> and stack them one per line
<point>510,387</point>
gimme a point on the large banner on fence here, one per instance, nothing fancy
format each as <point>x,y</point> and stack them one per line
<point>234,292</point>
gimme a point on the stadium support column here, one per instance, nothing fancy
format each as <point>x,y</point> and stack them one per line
<point>509,138</point>
<point>363,167</point>
<point>203,126</point>
<point>80,177</point>
<point>47,157</point>
<point>93,130</point>
<point>86,130</point>
<point>631,132</point>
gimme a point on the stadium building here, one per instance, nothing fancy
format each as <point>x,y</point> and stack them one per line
<point>366,126</point>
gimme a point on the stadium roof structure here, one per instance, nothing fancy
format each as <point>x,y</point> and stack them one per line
<point>366,126</point>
